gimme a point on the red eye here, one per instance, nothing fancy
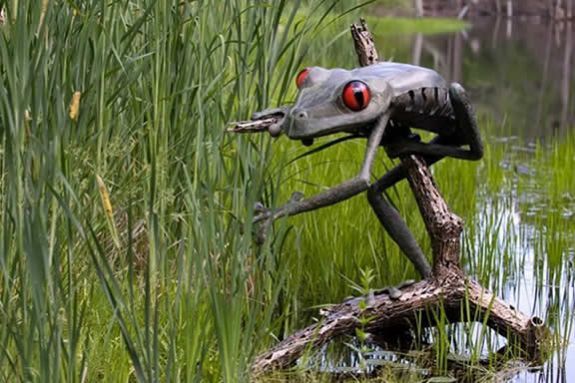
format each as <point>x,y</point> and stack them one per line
<point>301,76</point>
<point>356,95</point>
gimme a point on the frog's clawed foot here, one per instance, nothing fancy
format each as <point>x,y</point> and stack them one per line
<point>262,222</point>
<point>261,211</point>
<point>295,197</point>
<point>394,292</point>
<point>264,216</point>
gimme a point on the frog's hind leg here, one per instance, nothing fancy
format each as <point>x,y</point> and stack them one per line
<point>390,218</point>
<point>468,133</point>
<point>392,221</point>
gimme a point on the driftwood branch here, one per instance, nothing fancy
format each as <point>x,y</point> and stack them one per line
<point>461,298</point>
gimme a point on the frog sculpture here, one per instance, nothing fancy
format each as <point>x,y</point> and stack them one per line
<point>382,103</point>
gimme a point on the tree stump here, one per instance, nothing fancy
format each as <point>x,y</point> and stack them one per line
<point>448,290</point>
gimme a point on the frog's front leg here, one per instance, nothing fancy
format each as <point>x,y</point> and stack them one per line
<point>337,193</point>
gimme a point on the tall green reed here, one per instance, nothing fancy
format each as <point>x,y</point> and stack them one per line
<point>165,282</point>
<point>188,297</point>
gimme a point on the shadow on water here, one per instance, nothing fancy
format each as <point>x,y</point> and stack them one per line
<point>520,75</point>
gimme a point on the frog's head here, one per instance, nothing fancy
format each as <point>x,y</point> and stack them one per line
<point>331,101</point>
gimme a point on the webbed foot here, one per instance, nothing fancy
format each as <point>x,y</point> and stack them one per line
<point>262,222</point>
<point>264,216</point>
<point>394,292</point>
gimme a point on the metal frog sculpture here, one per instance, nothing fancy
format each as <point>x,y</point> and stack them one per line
<point>381,103</point>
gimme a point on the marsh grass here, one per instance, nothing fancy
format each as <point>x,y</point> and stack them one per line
<point>159,80</point>
<point>126,251</point>
<point>518,241</point>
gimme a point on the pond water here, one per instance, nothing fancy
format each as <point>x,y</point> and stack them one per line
<point>521,77</point>
<point>521,74</point>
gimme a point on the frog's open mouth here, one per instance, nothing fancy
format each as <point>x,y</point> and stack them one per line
<point>269,120</point>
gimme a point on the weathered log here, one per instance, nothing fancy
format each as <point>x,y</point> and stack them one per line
<point>417,306</point>
<point>448,290</point>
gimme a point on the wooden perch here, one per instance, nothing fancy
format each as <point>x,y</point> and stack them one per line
<point>461,298</point>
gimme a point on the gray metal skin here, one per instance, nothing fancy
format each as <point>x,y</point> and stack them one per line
<point>402,97</point>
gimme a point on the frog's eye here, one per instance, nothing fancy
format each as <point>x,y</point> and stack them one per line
<point>356,95</point>
<point>301,76</point>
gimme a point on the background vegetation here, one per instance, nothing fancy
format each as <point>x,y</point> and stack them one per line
<point>125,247</point>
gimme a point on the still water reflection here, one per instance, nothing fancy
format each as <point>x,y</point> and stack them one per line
<point>521,78</point>
<point>520,74</point>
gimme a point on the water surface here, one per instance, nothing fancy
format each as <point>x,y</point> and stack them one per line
<point>520,76</point>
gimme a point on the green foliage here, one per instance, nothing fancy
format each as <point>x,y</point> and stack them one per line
<point>426,26</point>
<point>126,250</point>
<point>82,291</point>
